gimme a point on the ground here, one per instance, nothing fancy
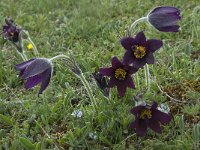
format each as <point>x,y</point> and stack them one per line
<point>91,30</point>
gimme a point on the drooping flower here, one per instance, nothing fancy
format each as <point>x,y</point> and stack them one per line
<point>11,30</point>
<point>147,116</point>
<point>139,51</point>
<point>120,75</point>
<point>35,71</point>
<point>101,83</point>
<point>165,18</point>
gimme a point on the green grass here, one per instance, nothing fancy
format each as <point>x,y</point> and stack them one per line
<point>92,30</point>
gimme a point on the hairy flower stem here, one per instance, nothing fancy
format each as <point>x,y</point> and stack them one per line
<point>25,36</point>
<point>147,76</point>
<point>89,90</point>
<point>23,56</point>
<point>19,51</point>
<point>133,25</point>
<point>59,57</point>
<point>137,80</point>
<point>80,75</point>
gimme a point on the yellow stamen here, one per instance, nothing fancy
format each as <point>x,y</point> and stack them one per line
<point>145,113</point>
<point>30,46</point>
<point>139,51</point>
<point>120,74</point>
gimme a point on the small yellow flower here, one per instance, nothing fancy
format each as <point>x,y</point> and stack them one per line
<point>30,46</point>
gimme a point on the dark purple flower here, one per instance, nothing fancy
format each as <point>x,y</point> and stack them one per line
<point>148,116</point>
<point>139,51</point>
<point>35,71</point>
<point>120,75</point>
<point>165,18</point>
<point>101,83</point>
<point>11,30</point>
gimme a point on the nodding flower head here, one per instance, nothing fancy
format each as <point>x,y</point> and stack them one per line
<point>10,30</point>
<point>165,18</point>
<point>120,75</point>
<point>139,51</point>
<point>35,71</point>
<point>148,116</point>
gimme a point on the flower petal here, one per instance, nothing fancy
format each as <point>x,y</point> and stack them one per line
<point>154,125</point>
<point>141,129</point>
<point>166,9</point>
<point>134,124</point>
<point>21,72</point>
<point>132,70</point>
<point>33,81</point>
<point>161,116</point>
<point>154,105</point>
<point>116,63</point>
<point>23,65</point>
<point>140,38</point>
<point>153,44</point>
<point>150,58</point>
<point>106,71</point>
<point>113,82</point>
<point>139,63</point>
<point>46,79</point>
<point>128,58</point>
<point>38,66</point>
<point>174,28</point>
<point>137,109</point>
<point>121,88</point>
<point>129,82</point>
<point>128,42</point>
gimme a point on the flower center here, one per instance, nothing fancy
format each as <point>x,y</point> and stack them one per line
<point>120,74</point>
<point>139,51</point>
<point>145,114</point>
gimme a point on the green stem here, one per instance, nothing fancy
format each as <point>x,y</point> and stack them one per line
<point>28,39</point>
<point>23,56</point>
<point>83,80</point>
<point>58,56</point>
<point>133,25</point>
<point>147,76</point>
<point>89,90</point>
<point>137,80</point>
